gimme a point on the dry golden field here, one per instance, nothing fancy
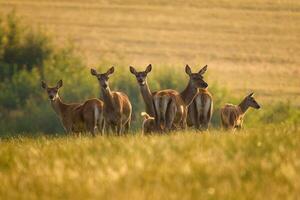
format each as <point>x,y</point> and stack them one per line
<point>248,45</point>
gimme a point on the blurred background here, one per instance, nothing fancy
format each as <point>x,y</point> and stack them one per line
<point>247,45</point>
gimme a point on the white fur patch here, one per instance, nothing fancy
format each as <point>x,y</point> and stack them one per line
<point>96,115</point>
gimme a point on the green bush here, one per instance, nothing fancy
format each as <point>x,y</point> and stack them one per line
<point>21,48</point>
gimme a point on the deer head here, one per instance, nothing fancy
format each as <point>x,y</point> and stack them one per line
<point>52,91</point>
<point>141,76</point>
<point>196,79</point>
<point>251,102</point>
<point>103,78</point>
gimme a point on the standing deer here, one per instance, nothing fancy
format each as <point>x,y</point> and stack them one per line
<point>174,104</point>
<point>147,95</point>
<point>232,116</point>
<point>117,107</point>
<point>200,110</point>
<point>76,117</point>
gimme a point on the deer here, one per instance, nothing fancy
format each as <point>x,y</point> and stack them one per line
<point>147,95</point>
<point>76,117</point>
<point>117,108</point>
<point>232,116</point>
<point>174,105</point>
<point>149,124</point>
<point>200,110</point>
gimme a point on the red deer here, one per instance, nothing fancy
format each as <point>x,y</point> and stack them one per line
<point>174,104</point>
<point>147,95</point>
<point>117,107</point>
<point>232,116</point>
<point>76,117</point>
<point>149,124</point>
<point>200,110</point>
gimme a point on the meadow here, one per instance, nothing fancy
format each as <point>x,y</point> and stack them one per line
<point>253,164</point>
<point>247,45</point>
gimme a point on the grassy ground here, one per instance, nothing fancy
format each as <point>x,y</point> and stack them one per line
<point>248,45</point>
<point>253,164</point>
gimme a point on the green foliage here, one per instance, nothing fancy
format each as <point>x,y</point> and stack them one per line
<point>278,113</point>
<point>21,48</point>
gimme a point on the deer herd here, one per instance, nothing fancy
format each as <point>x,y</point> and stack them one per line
<point>165,110</point>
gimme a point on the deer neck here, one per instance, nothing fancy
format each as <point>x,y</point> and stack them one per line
<point>147,97</point>
<point>58,106</point>
<point>243,107</point>
<point>188,94</point>
<point>146,93</point>
<point>107,97</point>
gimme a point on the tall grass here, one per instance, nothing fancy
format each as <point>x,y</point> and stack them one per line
<point>254,164</point>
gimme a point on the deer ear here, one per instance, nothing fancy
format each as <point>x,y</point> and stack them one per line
<point>44,85</point>
<point>110,71</point>
<point>132,70</point>
<point>148,69</point>
<point>203,70</point>
<point>188,70</point>
<point>251,94</point>
<point>93,72</point>
<point>59,84</point>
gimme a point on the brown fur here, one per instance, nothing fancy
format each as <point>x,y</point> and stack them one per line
<point>171,106</point>
<point>77,117</point>
<point>149,124</point>
<point>232,116</point>
<point>200,110</point>
<point>117,107</point>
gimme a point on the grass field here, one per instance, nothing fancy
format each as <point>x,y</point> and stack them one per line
<point>248,45</point>
<point>253,164</point>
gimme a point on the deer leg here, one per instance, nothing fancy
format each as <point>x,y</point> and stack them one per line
<point>164,107</point>
<point>91,127</point>
<point>157,108</point>
<point>102,126</point>
<point>206,114</point>
<point>183,122</point>
<point>113,128</point>
<point>192,114</point>
<point>171,113</point>
<point>199,108</point>
<point>127,126</point>
<point>109,127</point>
<point>119,129</point>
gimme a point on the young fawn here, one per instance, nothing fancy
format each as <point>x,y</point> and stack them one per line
<point>76,117</point>
<point>232,115</point>
<point>176,109</point>
<point>200,110</point>
<point>149,124</point>
<point>117,107</point>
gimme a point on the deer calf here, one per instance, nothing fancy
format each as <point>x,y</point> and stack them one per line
<point>149,124</point>
<point>232,116</point>
<point>76,117</point>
